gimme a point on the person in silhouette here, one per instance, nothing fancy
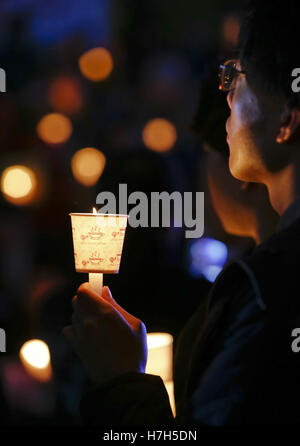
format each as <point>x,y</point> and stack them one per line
<point>241,369</point>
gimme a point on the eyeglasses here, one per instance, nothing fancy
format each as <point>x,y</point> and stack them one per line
<point>228,74</point>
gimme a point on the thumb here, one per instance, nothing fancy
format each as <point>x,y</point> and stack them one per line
<point>106,294</point>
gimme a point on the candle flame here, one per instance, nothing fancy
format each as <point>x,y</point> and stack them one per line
<point>95,211</point>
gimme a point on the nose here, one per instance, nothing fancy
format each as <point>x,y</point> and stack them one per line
<point>229,98</point>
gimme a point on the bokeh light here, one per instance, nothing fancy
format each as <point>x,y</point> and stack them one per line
<point>87,165</point>
<point>159,135</point>
<point>207,258</point>
<point>54,128</point>
<point>96,64</point>
<point>18,184</point>
<point>65,95</point>
<point>231,29</point>
<point>35,357</point>
<point>156,340</point>
<point>36,353</point>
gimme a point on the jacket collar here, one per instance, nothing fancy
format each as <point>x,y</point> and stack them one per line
<point>290,215</point>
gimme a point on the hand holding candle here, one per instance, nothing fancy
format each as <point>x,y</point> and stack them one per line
<point>108,340</point>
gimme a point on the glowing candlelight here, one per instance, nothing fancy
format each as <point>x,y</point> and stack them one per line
<point>98,243</point>
<point>170,389</point>
<point>35,357</point>
<point>160,355</point>
<point>159,135</point>
<point>160,360</point>
<point>19,184</point>
<point>96,64</point>
<point>54,128</point>
<point>87,165</point>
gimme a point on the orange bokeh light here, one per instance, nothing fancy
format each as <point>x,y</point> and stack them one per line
<point>54,128</point>
<point>159,135</point>
<point>87,165</point>
<point>35,357</point>
<point>65,95</point>
<point>231,29</point>
<point>96,64</point>
<point>19,185</point>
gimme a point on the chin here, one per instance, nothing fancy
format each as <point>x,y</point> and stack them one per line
<point>238,172</point>
<point>242,167</point>
<point>237,169</point>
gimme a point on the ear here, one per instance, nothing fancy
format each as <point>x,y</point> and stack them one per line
<point>289,124</point>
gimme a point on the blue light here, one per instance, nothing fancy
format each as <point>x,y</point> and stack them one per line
<point>207,258</point>
<point>211,272</point>
<point>55,21</point>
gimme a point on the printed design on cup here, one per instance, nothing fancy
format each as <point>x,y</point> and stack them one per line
<point>95,258</point>
<point>95,233</point>
<point>98,242</point>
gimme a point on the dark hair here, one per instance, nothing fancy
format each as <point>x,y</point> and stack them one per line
<point>212,113</point>
<point>268,43</point>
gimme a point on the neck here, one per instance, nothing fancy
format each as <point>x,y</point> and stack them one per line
<point>264,227</point>
<point>284,187</point>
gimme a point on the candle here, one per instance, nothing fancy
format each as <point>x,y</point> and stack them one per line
<point>160,355</point>
<point>35,357</point>
<point>160,361</point>
<point>170,389</point>
<point>98,243</point>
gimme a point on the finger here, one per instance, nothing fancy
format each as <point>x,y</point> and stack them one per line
<point>77,308</point>
<point>70,335</point>
<point>77,324</point>
<point>88,302</point>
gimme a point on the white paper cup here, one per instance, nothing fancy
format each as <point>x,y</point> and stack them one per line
<point>160,355</point>
<point>98,242</point>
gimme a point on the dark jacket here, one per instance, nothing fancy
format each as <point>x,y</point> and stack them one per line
<point>234,364</point>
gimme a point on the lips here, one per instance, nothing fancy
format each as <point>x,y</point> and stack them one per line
<point>227,125</point>
<point>227,129</point>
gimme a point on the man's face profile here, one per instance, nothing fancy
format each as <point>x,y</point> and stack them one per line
<point>254,129</point>
<point>243,129</point>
